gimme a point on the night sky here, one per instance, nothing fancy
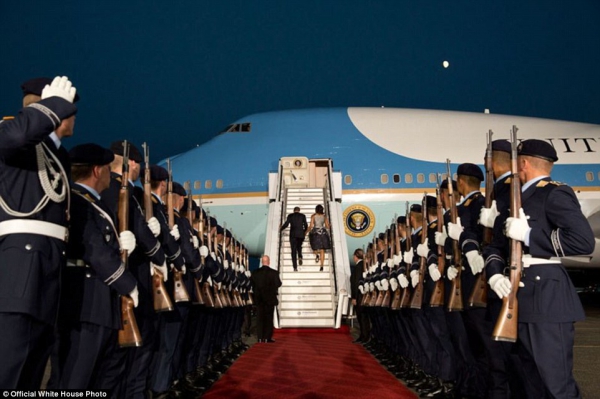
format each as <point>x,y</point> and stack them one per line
<point>175,73</point>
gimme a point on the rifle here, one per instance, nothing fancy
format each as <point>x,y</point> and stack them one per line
<point>190,218</point>
<point>207,297</point>
<point>162,301</point>
<point>247,265</point>
<point>214,294</point>
<point>437,296</point>
<point>374,294</point>
<point>405,298</point>
<point>478,297</point>
<point>129,334</point>
<point>366,299</point>
<point>179,291</point>
<point>455,302</point>
<point>396,301</point>
<point>506,325</point>
<point>388,294</point>
<point>381,294</point>
<point>416,302</point>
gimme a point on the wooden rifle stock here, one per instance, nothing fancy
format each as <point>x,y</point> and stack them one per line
<point>507,323</point>
<point>416,301</point>
<point>160,296</point>
<point>455,302</point>
<point>437,296</point>
<point>179,291</point>
<point>190,217</point>
<point>129,334</point>
<point>395,305</point>
<point>405,298</point>
<point>478,297</point>
<point>374,294</point>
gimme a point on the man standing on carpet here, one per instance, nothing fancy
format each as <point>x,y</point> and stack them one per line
<point>265,283</point>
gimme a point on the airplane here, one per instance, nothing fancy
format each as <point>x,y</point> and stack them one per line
<point>373,159</point>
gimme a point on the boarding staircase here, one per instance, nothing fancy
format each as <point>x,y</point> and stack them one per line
<point>308,297</point>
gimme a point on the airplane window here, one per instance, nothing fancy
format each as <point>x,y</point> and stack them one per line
<point>237,128</point>
<point>348,179</point>
<point>208,184</point>
<point>219,183</point>
<point>432,178</point>
<point>396,178</point>
<point>408,178</point>
<point>197,185</point>
<point>420,178</point>
<point>186,185</point>
<point>384,178</point>
<point>589,176</point>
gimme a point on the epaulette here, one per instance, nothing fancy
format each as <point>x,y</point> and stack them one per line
<point>118,178</point>
<point>433,225</point>
<point>154,200</point>
<point>544,183</point>
<point>467,202</point>
<point>8,118</point>
<point>508,180</point>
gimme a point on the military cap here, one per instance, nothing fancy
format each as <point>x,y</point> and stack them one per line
<point>444,185</point>
<point>431,201</point>
<point>134,154</point>
<point>416,208</point>
<point>401,220</point>
<point>213,222</point>
<point>470,169</point>
<point>157,173</point>
<point>178,189</point>
<point>36,86</point>
<point>219,229</point>
<point>90,154</point>
<point>381,236</point>
<point>501,145</point>
<point>537,148</point>
<point>228,233</point>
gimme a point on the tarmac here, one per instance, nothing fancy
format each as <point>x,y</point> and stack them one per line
<point>586,352</point>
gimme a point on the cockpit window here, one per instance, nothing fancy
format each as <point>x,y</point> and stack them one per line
<point>245,127</point>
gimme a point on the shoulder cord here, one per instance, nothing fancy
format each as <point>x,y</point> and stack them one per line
<point>103,213</point>
<point>45,167</point>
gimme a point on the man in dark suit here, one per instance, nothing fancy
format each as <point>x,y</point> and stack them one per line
<point>265,282</point>
<point>298,226</point>
<point>355,280</point>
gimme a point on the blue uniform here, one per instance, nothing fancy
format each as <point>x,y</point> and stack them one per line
<point>30,261</point>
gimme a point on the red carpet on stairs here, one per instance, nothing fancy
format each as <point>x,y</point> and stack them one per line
<point>308,365</point>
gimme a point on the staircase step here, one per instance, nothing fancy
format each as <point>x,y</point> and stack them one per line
<point>305,313</point>
<point>305,276</point>
<point>304,289</point>
<point>297,282</point>
<point>288,268</point>
<point>306,297</point>
<point>306,306</point>
<point>328,322</point>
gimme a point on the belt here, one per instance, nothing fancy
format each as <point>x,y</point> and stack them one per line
<point>28,226</point>
<point>529,260</point>
<point>76,263</point>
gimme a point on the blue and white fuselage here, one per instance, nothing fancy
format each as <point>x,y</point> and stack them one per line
<point>386,156</point>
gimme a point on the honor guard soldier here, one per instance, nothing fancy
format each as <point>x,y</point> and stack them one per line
<point>95,276</point>
<point>34,198</point>
<point>551,226</point>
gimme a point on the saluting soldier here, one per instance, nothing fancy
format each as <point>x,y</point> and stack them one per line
<point>95,276</point>
<point>34,192</point>
<point>551,226</point>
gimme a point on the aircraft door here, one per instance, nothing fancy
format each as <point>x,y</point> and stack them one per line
<point>318,170</point>
<point>295,171</point>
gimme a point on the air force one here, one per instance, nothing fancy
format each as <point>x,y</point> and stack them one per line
<point>364,164</point>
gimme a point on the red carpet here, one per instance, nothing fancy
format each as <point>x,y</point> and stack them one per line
<point>308,365</point>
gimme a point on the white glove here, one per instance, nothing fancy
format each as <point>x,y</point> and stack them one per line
<point>394,284</point>
<point>212,255</point>
<point>402,280</point>
<point>183,269</point>
<point>127,240</point>
<point>371,287</point>
<point>423,249</point>
<point>452,273</point>
<point>373,268</point>
<point>248,274</point>
<point>397,259</point>
<point>226,264</point>
<point>242,269</point>
<point>219,259</point>
<point>209,281</point>
<point>408,257</point>
<point>60,87</point>
<point>455,229</point>
<point>219,285</point>
<point>361,289</point>
<point>440,238</point>
<point>434,272</point>
<point>385,284</point>
<point>378,285</point>
<point>517,228</point>
<point>203,251</point>
<point>487,216</point>
<point>195,242</point>
<point>154,226</point>
<point>162,269</point>
<point>475,260</point>
<point>364,274</point>
<point>390,263</point>
<point>175,233</point>
<point>134,295</point>
<point>500,284</point>
<point>414,278</point>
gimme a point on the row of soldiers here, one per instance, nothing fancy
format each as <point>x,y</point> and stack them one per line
<point>122,291</point>
<point>438,287</point>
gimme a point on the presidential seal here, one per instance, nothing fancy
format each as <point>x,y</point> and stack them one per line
<point>359,220</point>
